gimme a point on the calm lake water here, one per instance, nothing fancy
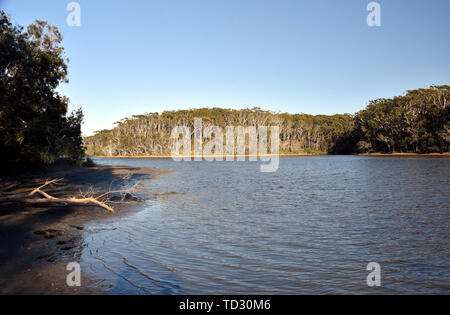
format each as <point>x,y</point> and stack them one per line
<point>310,228</point>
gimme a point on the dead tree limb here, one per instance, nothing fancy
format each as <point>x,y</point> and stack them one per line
<point>102,199</point>
<point>71,200</point>
<point>91,197</point>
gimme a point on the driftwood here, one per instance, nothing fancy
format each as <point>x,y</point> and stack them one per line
<point>91,197</point>
<point>71,200</point>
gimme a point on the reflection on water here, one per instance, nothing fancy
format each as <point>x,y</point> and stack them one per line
<point>311,227</point>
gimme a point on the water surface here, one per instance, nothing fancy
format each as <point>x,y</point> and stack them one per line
<point>312,227</point>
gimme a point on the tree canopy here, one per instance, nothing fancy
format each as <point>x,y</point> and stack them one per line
<point>34,125</point>
<point>417,122</point>
<point>150,134</point>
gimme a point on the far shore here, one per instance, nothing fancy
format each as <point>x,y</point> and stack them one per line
<point>405,154</point>
<point>155,157</point>
<point>205,156</point>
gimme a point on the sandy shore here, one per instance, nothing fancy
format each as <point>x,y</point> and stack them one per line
<point>270,156</point>
<point>405,154</point>
<point>206,156</point>
<point>38,241</point>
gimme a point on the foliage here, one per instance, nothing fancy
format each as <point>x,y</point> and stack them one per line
<point>150,134</point>
<point>417,122</point>
<point>34,126</point>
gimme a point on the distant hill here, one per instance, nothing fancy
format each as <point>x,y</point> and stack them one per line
<point>417,122</point>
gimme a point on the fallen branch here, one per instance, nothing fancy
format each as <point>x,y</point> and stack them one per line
<point>101,200</point>
<point>76,201</point>
<point>90,197</point>
<point>72,200</point>
<point>123,193</point>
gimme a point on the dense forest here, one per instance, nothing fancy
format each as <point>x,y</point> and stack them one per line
<point>151,134</point>
<point>417,122</point>
<point>35,127</point>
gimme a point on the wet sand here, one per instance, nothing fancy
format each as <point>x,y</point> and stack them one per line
<point>38,241</point>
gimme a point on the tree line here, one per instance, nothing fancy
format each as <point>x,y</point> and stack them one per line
<point>150,134</point>
<point>35,127</point>
<point>417,122</point>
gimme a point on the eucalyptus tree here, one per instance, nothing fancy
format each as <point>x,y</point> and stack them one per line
<point>34,126</point>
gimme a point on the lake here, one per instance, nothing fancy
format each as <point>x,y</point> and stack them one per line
<point>312,227</point>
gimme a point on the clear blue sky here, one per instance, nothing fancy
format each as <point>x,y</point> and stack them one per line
<point>318,57</point>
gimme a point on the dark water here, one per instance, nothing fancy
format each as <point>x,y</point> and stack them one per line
<point>312,227</point>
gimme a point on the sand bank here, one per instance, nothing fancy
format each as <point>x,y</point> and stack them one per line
<point>38,241</point>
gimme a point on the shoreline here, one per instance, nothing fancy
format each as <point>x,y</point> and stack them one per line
<point>405,154</point>
<point>163,157</point>
<point>37,241</point>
